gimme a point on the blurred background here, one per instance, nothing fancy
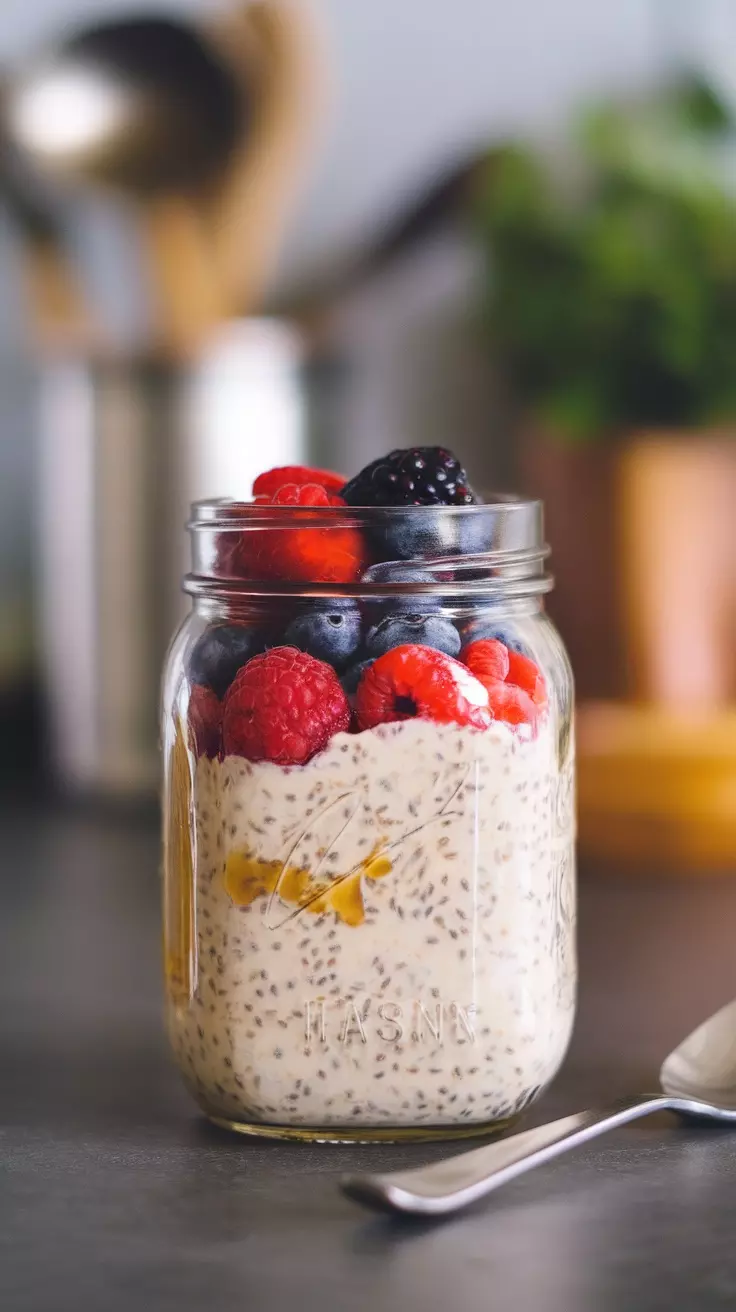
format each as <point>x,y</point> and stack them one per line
<point>235,235</point>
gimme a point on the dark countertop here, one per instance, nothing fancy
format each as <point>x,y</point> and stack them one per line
<point>115,1195</point>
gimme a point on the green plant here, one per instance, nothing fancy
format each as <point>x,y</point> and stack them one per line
<point>611,289</point>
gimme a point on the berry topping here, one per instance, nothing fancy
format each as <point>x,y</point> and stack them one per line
<point>516,689</point>
<point>284,706</point>
<point>413,681</point>
<point>524,674</point>
<point>396,571</point>
<point>423,476</point>
<point>205,714</point>
<point>330,630</point>
<point>312,553</point>
<point>219,653</point>
<point>419,476</point>
<point>299,494</point>
<point>488,660</point>
<point>270,481</point>
<point>352,676</point>
<point>423,630</point>
<point>484,626</point>
<point>511,705</point>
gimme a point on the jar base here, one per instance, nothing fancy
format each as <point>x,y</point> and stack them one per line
<point>366,1134</point>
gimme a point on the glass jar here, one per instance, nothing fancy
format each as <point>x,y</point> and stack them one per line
<point>369,897</point>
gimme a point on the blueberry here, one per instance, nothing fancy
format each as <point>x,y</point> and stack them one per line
<point>397,572</point>
<point>352,676</point>
<point>484,627</point>
<point>424,630</point>
<point>426,531</point>
<point>330,630</point>
<point>219,653</point>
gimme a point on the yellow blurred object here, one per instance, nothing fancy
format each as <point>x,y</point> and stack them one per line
<point>179,935</point>
<point>272,47</point>
<point>657,789</point>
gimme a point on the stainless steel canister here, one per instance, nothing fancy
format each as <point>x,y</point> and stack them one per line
<point>126,444</point>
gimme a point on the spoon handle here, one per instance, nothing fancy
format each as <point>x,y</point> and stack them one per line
<point>448,1185</point>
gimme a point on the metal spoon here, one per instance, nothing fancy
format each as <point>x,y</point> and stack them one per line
<point>698,1081</point>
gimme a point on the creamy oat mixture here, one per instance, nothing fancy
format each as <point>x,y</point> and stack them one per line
<point>384,936</point>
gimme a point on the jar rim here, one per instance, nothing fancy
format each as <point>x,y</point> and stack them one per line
<point>505,561</point>
<point>224,512</point>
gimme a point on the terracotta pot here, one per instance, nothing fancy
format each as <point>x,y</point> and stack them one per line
<point>576,484</point>
<point>643,536</point>
<point>676,529</point>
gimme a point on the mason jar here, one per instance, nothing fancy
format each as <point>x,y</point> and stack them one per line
<point>369,901</point>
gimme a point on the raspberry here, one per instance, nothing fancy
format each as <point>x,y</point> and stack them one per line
<point>516,690</point>
<point>524,674</point>
<point>511,704</point>
<point>412,681</point>
<point>283,706</point>
<point>488,660</point>
<point>299,494</point>
<point>313,554</point>
<point>269,482</point>
<point>205,715</point>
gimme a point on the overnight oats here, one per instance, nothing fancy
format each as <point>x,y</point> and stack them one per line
<point>369,809</point>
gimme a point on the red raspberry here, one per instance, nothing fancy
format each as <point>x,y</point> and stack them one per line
<point>283,706</point>
<point>412,681</point>
<point>299,494</point>
<point>205,716</point>
<point>511,704</point>
<point>524,674</point>
<point>488,659</point>
<point>269,482</point>
<point>516,689</point>
<point>302,555</point>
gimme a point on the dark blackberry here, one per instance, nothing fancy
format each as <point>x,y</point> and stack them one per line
<point>429,505</point>
<point>417,476</point>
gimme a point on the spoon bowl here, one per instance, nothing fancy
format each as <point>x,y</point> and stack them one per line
<point>697,1081</point>
<point>143,104</point>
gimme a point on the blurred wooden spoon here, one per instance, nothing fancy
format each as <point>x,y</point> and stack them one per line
<point>60,314</point>
<point>146,107</point>
<point>273,50</point>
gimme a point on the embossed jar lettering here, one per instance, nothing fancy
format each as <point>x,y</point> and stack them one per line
<point>346,1020</point>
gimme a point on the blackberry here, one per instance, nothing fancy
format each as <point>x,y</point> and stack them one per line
<point>428,501</point>
<point>417,476</point>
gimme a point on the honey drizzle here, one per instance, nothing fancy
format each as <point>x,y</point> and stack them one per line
<point>248,878</point>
